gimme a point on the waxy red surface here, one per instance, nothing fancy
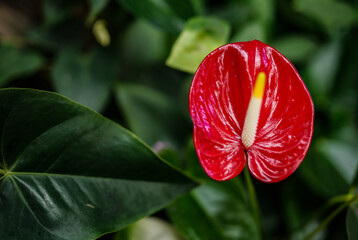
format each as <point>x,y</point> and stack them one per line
<point>218,101</point>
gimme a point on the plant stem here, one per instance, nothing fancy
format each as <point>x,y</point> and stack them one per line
<point>2,171</point>
<point>330,217</point>
<point>253,197</point>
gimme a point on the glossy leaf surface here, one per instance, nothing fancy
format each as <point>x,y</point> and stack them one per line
<point>69,173</point>
<point>219,98</point>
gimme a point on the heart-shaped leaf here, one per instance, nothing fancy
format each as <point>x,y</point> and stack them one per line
<point>69,173</point>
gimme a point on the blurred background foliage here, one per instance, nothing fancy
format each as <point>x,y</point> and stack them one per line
<point>133,61</point>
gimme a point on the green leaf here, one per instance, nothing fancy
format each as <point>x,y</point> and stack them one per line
<point>263,10</point>
<point>250,31</point>
<point>169,15</point>
<point>216,210</point>
<point>352,222</point>
<point>150,228</point>
<point>85,78</point>
<point>144,43</point>
<point>321,71</point>
<point>333,15</point>
<point>69,173</point>
<point>296,47</point>
<point>95,8</point>
<point>330,167</point>
<point>16,63</point>
<point>200,36</point>
<point>150,114</point>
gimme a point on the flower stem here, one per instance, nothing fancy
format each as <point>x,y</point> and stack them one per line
<point>253,198</point>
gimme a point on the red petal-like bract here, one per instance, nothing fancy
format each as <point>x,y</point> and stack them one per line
<point>219,98</point>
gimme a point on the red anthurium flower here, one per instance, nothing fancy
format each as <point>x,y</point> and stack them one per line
<point>248,97</point>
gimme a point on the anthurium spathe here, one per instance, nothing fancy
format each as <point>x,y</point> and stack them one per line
<point>249,104</point>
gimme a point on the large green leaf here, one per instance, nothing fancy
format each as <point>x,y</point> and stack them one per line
<point>169,15</point>
<point>85,78</point>
<point>200,36</point>
<point>69,173</point>
<point>216,210</point>
<point>15,63</point>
